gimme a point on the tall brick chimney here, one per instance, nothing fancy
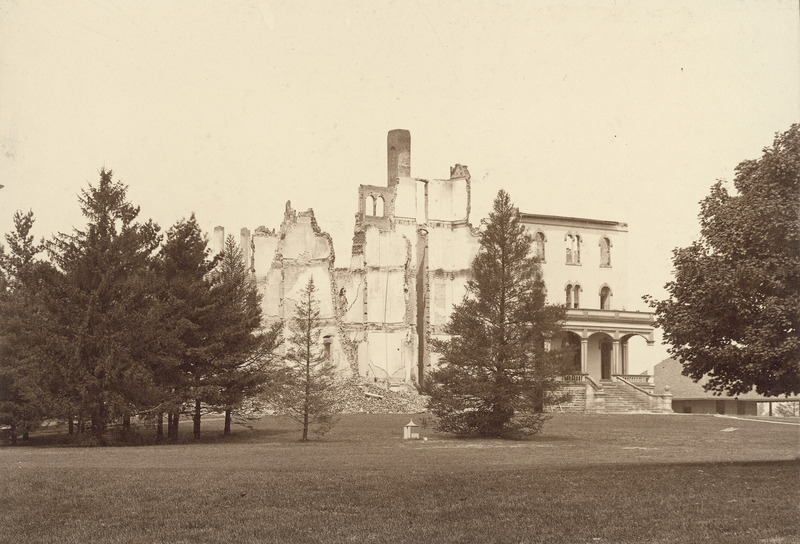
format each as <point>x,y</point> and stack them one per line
<point>398,151</point>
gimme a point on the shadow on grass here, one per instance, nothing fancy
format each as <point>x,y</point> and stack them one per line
<point>145,435</point>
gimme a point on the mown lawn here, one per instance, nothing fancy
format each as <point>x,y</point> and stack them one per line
<point>612,479</point>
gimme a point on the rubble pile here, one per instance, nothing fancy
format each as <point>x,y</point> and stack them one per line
<point>360,396</point>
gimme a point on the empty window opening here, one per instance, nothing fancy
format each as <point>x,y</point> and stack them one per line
<point>326,342</point>
<point>605,298</point>
<point>573,247</point>
<point>369,206</point>
<point>539,241</point>
<point>379,206</point>
<point>605,251</point>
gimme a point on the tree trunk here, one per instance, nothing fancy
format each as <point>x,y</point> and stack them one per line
<point>126,423</point>
<point>99,420</point>
<point>160,427</point>
<point>13,435</point>
<point>308,380</point>
<point>172,424</point>
<point>196,418</point>
<point>227,430</point>
<point>25,436</point>
<point>70,424</point>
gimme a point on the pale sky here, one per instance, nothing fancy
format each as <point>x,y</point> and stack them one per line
<point>626,111</point>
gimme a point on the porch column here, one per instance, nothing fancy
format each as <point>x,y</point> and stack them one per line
<point>615,363</point>
<point>625,362</point>
<point>584,355</point>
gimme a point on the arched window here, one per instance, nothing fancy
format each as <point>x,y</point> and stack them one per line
<point>605,251</point>
<point>570,243</point>
<point>369,205</point>
<point>605,298</point>
<point>539,241</point>
<point>573,295</point>
<point>573,246</point>
<point>379,206</point>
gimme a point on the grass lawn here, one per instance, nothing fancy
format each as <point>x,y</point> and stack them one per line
<point>587,478</point>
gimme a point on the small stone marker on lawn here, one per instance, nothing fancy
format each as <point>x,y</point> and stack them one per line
<point>411,431</point>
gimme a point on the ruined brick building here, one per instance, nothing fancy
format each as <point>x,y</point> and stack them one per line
<point>412,247</point>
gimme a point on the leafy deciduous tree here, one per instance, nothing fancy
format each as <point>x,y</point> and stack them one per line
<point>494,376</point>
<point>733,311</point>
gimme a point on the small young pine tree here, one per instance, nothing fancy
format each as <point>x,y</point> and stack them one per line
<point>494,376</point>
<point>310,390</point>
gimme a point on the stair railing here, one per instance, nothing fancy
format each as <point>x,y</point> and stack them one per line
<point>660,403</point>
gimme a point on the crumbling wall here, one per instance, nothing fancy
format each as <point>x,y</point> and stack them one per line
<point>282,263</point>
<point>411,254</point>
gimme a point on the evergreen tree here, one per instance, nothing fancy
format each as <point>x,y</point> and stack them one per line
<point>23,401</point>
<point>219,355</point>
<point>107,306</point>
<point>311,387</point>
<point>247,362</point>
<point>185,265</point>
<point>733,311</point>
<point>494,376</point>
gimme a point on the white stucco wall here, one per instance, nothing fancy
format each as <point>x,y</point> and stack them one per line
<point>589,274</point>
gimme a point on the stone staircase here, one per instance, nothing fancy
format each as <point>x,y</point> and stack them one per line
<point>620,399</point>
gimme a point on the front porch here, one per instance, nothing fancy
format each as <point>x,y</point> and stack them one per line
<point>601,339</point>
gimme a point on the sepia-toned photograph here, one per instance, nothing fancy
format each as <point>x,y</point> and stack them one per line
<point>496,271</point>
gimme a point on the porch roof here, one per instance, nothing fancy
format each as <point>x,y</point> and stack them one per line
<point>616,323</point>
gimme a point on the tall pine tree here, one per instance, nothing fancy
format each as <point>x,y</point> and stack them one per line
<point>23,400</point>
<point>494,375</point>
<point>247,363</point>
<point>185,265</point>
<point>107,303</point>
